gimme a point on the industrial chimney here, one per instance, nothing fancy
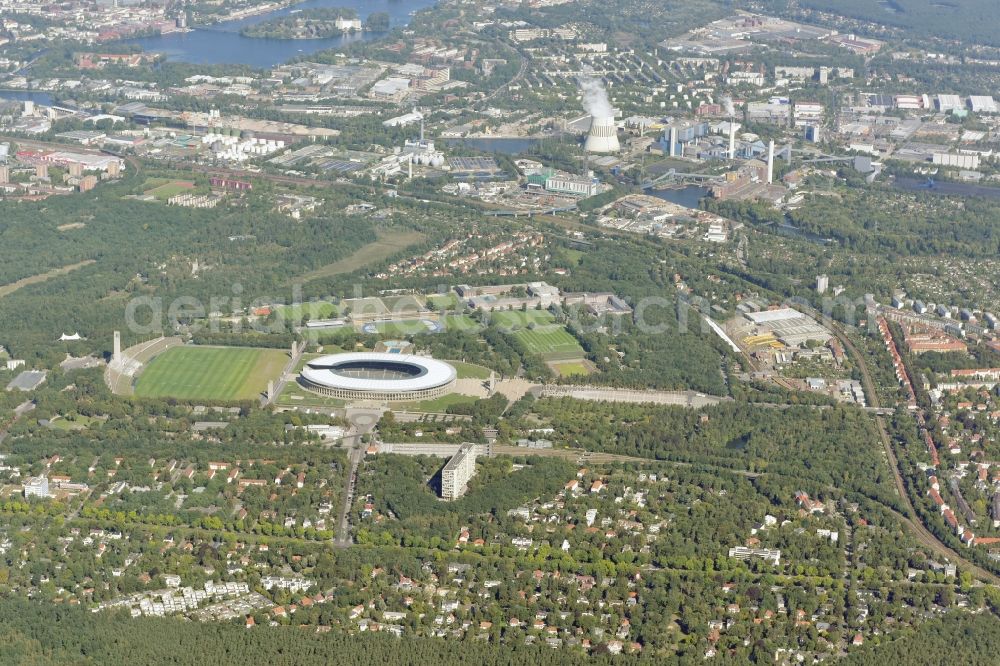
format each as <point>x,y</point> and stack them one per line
<point>770,162</point>
<point>603,135</point>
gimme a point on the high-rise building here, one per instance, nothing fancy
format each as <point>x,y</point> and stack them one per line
<point>822,284</point>
<point>457,472</point>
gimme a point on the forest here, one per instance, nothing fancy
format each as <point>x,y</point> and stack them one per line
<point>966,20</point>
<point>818,447</point>
<point>306,24</point>
<point>48,635</point>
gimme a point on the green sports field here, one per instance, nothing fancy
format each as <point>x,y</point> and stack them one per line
<point>571,368</point>
<point>550,342</point>
<point>314,309</point>
<point>165,190</point>
<point>514,319</point>
<point>210,373</point>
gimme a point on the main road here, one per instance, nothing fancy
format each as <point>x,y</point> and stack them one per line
<point>363,421</point>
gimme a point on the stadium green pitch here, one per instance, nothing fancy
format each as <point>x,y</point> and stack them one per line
<point>210,373</point>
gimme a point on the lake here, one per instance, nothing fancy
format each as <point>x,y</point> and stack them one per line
<point>222,43</point>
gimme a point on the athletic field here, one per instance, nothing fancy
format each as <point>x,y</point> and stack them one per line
<point>550,342</point>
<point>315,309</point>
<point>570,368</point>
<point>164,191</point>
<point>210,373</point>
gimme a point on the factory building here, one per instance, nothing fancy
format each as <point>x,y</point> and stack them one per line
<point>957,160</point>
<point>790,326</point>
<point>982,104</point>
<point>948,103</point>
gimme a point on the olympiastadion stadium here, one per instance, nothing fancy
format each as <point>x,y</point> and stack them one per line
<point>378,376</point>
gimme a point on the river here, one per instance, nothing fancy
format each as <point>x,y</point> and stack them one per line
<point>37,96</point>
<point>222,43</point>
<point>688,196</point>
<point>946,188</point>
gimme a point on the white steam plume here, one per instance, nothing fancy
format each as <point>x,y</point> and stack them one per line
<point>595,97</point>
<point>727,103</point>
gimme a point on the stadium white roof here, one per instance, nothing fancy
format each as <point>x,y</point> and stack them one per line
<point>433,373</point>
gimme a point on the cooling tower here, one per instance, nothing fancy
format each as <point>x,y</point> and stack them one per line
<point>603,136</point>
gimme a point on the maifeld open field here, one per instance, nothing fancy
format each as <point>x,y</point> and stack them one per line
<point>210,373</point>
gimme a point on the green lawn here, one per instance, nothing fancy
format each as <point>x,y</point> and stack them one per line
<point>314,309</point>
<point>407,304</point>
<point>512,319</point>
<point>402,328</point>
<point>439,405</point>
<point>470,370</point>
<point>447,301</point>
<point>169,189</point>
<point>460,323</point>
<point>572,256</point>
<point>210,373</point>
<point>295,396</point>
<point>549,341</point>
<point>72,422</point>
<point>571,369</point>
<point>366,306</point>
<point>390,241</point>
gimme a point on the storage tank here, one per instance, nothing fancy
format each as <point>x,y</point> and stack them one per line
<point>603,136</point>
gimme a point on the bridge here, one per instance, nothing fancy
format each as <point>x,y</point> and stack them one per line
<point>674,175</point>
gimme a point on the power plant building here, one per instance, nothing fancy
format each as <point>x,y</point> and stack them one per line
<point>457,472</point>
<point>573,185</point>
